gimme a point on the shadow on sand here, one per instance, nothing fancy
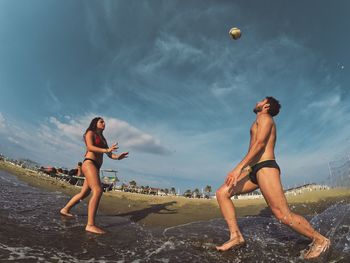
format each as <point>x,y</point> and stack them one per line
<point>265,212</point>
<point>138,215</point>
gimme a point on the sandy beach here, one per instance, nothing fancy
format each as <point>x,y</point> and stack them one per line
<point>166,211</point>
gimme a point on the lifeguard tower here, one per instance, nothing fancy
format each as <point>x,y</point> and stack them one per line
<point>109,179</point>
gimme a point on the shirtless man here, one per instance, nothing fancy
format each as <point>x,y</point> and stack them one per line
<point>258,169</point>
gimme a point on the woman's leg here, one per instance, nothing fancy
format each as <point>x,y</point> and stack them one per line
<point>93,180</point>
<point>85,191</point>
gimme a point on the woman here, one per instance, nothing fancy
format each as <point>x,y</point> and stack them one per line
<point>96,146</point>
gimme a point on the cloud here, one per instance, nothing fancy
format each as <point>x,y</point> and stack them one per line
<point>60,142</point>
<point>127,135</point>
<point>311,166</point>
<point>52,101</point>
<point>72,129</point>
<point>169,50</point>
<point>54,139</point>
<point>2,122</point>
<point>133,138</point>
<point>331,101</point>
<point>11,139</point>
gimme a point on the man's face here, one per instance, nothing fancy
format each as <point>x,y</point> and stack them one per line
<point>259,106</point>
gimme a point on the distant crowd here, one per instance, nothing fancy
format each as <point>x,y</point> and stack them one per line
<point>72,176</point>
<point>76,177</point>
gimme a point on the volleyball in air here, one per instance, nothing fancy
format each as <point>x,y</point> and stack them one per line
<point>235,33</point>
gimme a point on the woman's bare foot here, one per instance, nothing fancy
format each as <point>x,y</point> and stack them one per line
<point>94,229</point>
<point>317,248</point>
<point>234,242</point>
<point>65,212</point>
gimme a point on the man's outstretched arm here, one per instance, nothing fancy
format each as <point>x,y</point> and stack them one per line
<point>265,124</point>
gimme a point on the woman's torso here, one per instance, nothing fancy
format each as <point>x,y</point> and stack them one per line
<point>100,142</point>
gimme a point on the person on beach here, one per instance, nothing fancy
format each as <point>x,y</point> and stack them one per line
<point>76,171</point>
<point>79,171</point>
<point>258,169</point>
<point>96,146</point>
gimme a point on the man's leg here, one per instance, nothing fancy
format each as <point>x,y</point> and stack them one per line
<point>271,188</point>
<point>223,196</point>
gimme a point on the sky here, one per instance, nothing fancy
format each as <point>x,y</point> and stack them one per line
<point>174,89</point>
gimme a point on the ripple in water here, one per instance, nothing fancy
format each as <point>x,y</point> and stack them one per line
<point>31,230</point>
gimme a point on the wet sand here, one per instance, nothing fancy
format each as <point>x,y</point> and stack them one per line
<point>165,211</point>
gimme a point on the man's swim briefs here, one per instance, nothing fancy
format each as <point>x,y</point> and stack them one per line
<point>256,167</point>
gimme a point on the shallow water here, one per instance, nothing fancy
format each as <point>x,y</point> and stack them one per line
<point>31,230</point>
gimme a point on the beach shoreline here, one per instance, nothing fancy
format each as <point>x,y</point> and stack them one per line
<point>167,211</point>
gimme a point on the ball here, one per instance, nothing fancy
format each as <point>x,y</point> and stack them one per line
<point>235,33</point>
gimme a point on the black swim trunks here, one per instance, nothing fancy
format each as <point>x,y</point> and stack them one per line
<point>256,167</point>
<point>97,165</point>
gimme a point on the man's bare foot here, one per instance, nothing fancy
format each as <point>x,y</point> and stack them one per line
<point>234,242</point>
<point>94,229</point>
<point>317,248</point>
<point>64,212</point>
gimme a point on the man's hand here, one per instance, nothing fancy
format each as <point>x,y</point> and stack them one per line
<point>232,177</point>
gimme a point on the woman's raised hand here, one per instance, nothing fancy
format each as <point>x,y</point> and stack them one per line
<point>114,147</point>
<point>123,155</point>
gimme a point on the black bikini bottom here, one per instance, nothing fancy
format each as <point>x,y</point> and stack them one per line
<point>95,163</point>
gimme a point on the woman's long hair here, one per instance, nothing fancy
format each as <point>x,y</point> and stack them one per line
<point>93,127</point>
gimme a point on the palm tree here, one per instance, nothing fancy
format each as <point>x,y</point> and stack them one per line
<point>133,183</point>
<point>173,190</point>
<point>142,189</point>
<point>196,193</point>
<point>166,191</point>
<point>207,189</point>
<point>188,193</point>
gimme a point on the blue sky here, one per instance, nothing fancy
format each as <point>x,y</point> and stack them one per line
<point>174,89</point>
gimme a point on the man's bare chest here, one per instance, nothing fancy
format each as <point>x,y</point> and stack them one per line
<point>253,129</point>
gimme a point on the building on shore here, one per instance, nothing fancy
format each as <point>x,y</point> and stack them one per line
<point>306,188</point>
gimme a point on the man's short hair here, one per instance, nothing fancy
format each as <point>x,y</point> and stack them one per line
<point>275,106</point>
<point>80,164</point>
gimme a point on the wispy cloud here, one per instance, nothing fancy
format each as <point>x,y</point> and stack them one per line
<point>2,122</point>
<point>169,50</point>
<point>116,129</point>
<point>11,139</point>
<point>331,101</point>
<point>52,101</point>
<point>72,129</point>
<point>134,138</point>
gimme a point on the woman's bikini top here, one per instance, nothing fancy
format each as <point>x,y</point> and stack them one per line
<point>99,141</point>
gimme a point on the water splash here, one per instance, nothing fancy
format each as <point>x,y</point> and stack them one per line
<point>32,231</point>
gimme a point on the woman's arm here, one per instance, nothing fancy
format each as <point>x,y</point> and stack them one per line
<point>89,140</point>
<point>118,156</point>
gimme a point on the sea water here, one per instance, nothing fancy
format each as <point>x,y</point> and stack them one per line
<point>31,230</point>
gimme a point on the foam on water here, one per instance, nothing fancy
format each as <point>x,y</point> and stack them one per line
<point>32,230</point>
